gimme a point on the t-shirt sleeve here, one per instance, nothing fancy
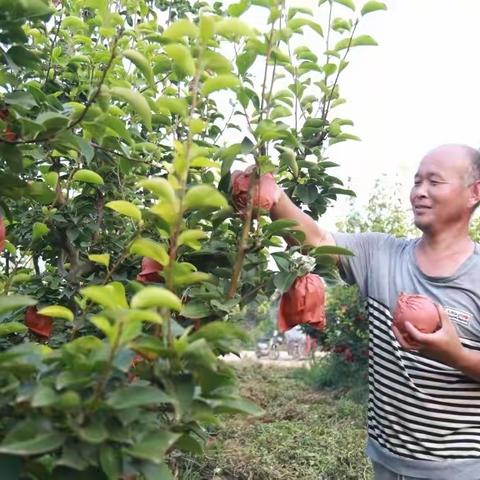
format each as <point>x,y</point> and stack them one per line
<point>355,268</point>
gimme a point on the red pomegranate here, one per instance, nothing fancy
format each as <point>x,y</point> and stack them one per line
<point>149,272</point>
<point>10,135</point>
<point>304,302</point>
<point>419,310</point>
<point>263,195</point>
<point>39,324</point>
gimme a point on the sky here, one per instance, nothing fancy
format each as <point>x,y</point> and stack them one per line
<point>418,89</point>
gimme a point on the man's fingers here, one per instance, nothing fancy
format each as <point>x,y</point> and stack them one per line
<point>416,335</point>
<point>442,315</point>
<point>406,345</point>
<point>400,338</point>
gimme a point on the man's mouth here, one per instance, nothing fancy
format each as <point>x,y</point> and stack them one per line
<point>421,208</point>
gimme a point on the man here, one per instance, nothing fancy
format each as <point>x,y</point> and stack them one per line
<point>424,399</point>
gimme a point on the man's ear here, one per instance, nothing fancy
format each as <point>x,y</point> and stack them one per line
<point>474,193</point>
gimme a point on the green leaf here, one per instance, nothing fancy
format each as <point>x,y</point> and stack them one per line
<point>94,433</point>
<point>52,179</point>
<point>21,99</point>
<point>297,23</point>
<point>39,230</point>
<point>153,446</point>
<point>279,226</point>
<point>143,316</point>
<point>206,27</point>
<point>156,297</point>
<point>141,63</point>
<point>236,9</point>
<point>279,112</point>
<point>373,6</point>
<point>191,278</point>
<point>87,176</point>
<point>12,327</point>
<point>233,28</point>
<point>152,471</point>
<point>182,58</point>
<point>43,397</point>
<point>12,156</point>
<point>217,62</point>
<point>104,295</point>
<point>181,28</point>
<point>191,237</point>
<point>245,60</point>
<point>40,192</point>
<point>125,208</point>
<point>307,193</point>
<point>14,302</point>
<point>195,310</point>
<point>23,57</point>
<point>161,187</point>
<point>57,311</point>
<point>238,405</point>
<point>104,325</point>
<point>111,462</point>
<point>220,82</point>
<point>21,277</point>
<point>102,258</point>
<point>149,248</point>
<point>137,101</point>
<point>329,250</point>
<point>52,120</point>
<point>341,25</point>
<point>42,442</point>
<point>347,3</point>
<point>136,396</point>
<point>284,280</point>
<point>362,40</point>
<point>36,8</point>
<point>200,196</point>
<point>177,106</point>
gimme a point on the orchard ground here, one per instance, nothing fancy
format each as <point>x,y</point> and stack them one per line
<point>304,434</point>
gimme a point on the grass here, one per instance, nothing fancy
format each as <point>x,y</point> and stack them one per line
<point>304,434</point>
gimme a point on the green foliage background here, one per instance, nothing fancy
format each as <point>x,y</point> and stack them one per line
<point>115,145</point>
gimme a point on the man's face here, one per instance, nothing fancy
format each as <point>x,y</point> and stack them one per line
<point>441,195</point>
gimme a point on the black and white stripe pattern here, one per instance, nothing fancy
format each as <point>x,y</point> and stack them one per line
<point>419,408</point>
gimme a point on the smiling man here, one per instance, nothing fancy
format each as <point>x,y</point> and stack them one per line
<point>424,399</point>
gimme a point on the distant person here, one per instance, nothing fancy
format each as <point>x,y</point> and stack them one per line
<point>296,340</point>
<point>424,398</point>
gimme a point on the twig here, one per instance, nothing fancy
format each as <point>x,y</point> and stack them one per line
<point>50,55</point>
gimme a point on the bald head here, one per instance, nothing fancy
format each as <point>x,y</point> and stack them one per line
<point>461,153</point>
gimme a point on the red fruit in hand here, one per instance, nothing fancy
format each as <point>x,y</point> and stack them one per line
<point>39,324</point>
<point>419,310</point>
<point>264,195</point>
<point>304,302</point>
<point>150,269</point>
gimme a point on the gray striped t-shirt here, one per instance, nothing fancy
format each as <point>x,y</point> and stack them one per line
<point>423,416</point>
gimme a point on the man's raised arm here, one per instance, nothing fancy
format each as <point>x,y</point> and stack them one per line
<point>284,208</point>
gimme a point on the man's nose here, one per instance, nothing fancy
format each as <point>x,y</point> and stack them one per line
<point>420,190</point>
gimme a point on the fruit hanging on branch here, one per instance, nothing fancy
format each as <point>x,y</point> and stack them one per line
<point>304,302</point>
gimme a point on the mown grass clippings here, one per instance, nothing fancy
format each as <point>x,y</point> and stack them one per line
<point>304,434</point>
